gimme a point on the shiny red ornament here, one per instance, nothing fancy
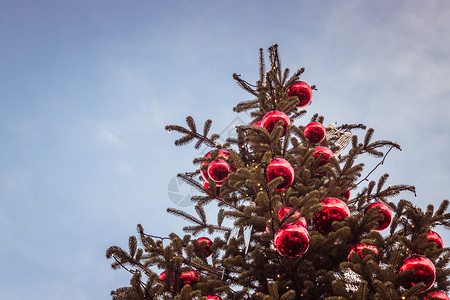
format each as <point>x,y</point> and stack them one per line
<point>424,271</point>
<point>257,124</point>
<point>315,132</point>
<point>218,170</point>
<point>292,240</point>
<point>332,210</point>
<point>271,119</point>
<point>218,184</point>
<point>358,248</point>
<point>437,295</point>
<point>207,248</point>
<point>434,237</point>
<point>327,153</point>
<point>213,298</point>
<point>385,211</point>
<point>346,195</point>
<point>206,185</point>
<point>189,277</point>
<point>162,276</point>
<point>302,90</point>
<point>300,220</point>
<point>280,167</point>
<point>203,167</point>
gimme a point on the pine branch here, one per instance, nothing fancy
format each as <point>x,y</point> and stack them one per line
<point>191,134</point>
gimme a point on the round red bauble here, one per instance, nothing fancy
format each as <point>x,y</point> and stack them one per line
<point>438,295</point>
<point>300,220</point>
<point>346,195</point>
<point>189,277</point>
<point>315,132</point>
<point>434,237</point>
<point>358,248</point>
<point>257,124</point>
<point>302,90</point>
<point>280,167</point>
<point>162,276</point>
<point>327,153</point>
<point>207,248</point>
<point>206,185</point>
<point>218,170</point>
<point>332,210</point>
<point>424,271</point>
<point>213,298</point>
<point>385,212</point>
<point>218,184</point>
<point>271,119</point>
<point>203,169</point>
<point>292,240</point>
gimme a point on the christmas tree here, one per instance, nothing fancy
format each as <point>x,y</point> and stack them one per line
<point>308,222</point>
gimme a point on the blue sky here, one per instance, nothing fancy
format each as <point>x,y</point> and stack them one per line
<point>87,87</point>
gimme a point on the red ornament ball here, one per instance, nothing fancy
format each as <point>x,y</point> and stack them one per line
<point>218,170</point>
<point>434,237</point>
<point>315,132</point>
<point>385,212</point>
<point>438,295</point>
<point>189,277</point>
<point>207,247</point>
<point>302,90</point>
<point>203,167</point>
<point>424,271</point>
<point>332,210</point>
<point>347,194</point>
<point>280,167</point>
<point>327,153</point>
<point>213,298</point>
<point>300,220</point>
<point>257,124</point>
<point>358,248</point>
<point>292,240</point>
<point>271,119</point>
<point>162,276</point>
<point>218,184</point>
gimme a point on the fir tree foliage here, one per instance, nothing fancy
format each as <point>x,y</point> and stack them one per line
<point>245,198</point>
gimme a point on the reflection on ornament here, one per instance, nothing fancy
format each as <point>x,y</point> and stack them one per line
<point>332,210</point>
<point>359,248</point>
<point>292,240</point>
<point>218,184</point>
<point>315,132</point>
<point>271,119</point>
<point>438,295</point>
<point>280,167</point>
<point>424,271</point>
<point>218,170</point>
<point>203,167</point>
<point>207,247</point>
<point>302,90</point>
<point>434,237</point>
<point>325,152</point>
<point>162,276</point>
<point>189,277</point>
<point>299,219</point>
<point>347,194</point>
<point>384,210</point>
